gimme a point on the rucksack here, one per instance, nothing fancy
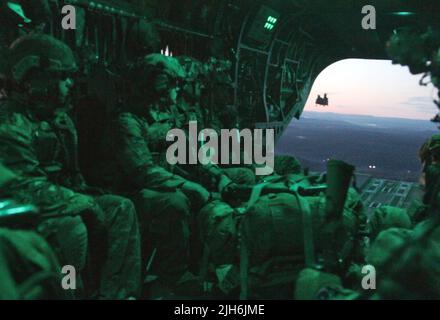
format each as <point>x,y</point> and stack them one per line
<point>289,225</point>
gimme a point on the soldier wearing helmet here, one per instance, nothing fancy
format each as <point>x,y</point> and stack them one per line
<point>193,107</point>
<point>38,142</point>
<point>136,165</point>
<point>40,73</point>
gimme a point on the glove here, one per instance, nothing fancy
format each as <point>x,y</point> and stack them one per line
<point>196,193</point>
<point>224,183</point>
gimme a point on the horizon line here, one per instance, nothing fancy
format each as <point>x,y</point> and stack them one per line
<point>368,115</point>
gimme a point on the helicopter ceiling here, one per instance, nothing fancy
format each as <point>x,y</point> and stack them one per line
<point>277,47</point>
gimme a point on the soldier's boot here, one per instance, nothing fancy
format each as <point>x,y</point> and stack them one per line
<point>120,274</point>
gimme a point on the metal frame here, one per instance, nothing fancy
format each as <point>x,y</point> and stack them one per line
<point>285,53</point>
<point>111,7</point>
<point>283,43</point>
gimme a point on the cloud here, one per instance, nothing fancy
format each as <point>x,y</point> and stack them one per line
<point>420,103</point>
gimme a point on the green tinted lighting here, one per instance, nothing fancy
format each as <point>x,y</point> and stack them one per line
<point>403,13</point>
<point>19,11</point>
<point>272,20</point>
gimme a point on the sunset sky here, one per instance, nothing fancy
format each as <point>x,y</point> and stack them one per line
<point>373,87</point>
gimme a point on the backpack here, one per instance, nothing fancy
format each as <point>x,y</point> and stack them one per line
<point>289,225</point>
<point>275,229</point>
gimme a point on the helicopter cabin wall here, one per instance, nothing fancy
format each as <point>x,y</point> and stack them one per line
<point>112,31</point>
<point>104,29</point>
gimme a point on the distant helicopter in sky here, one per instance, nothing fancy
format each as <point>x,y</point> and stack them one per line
<point>322,101</point>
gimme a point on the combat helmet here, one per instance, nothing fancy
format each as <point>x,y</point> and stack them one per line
<point>155,72</point>
<point>39,52</point>
<point>167,65</point>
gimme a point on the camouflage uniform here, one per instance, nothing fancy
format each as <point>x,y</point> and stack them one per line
<point>407,262</point>
<point>163,210</point>
<point>40,145</point>
<point>32,149</point>
<point>189,107</point>
<point>135,140</point>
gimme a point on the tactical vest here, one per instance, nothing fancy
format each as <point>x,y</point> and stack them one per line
<point>55,144</point>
